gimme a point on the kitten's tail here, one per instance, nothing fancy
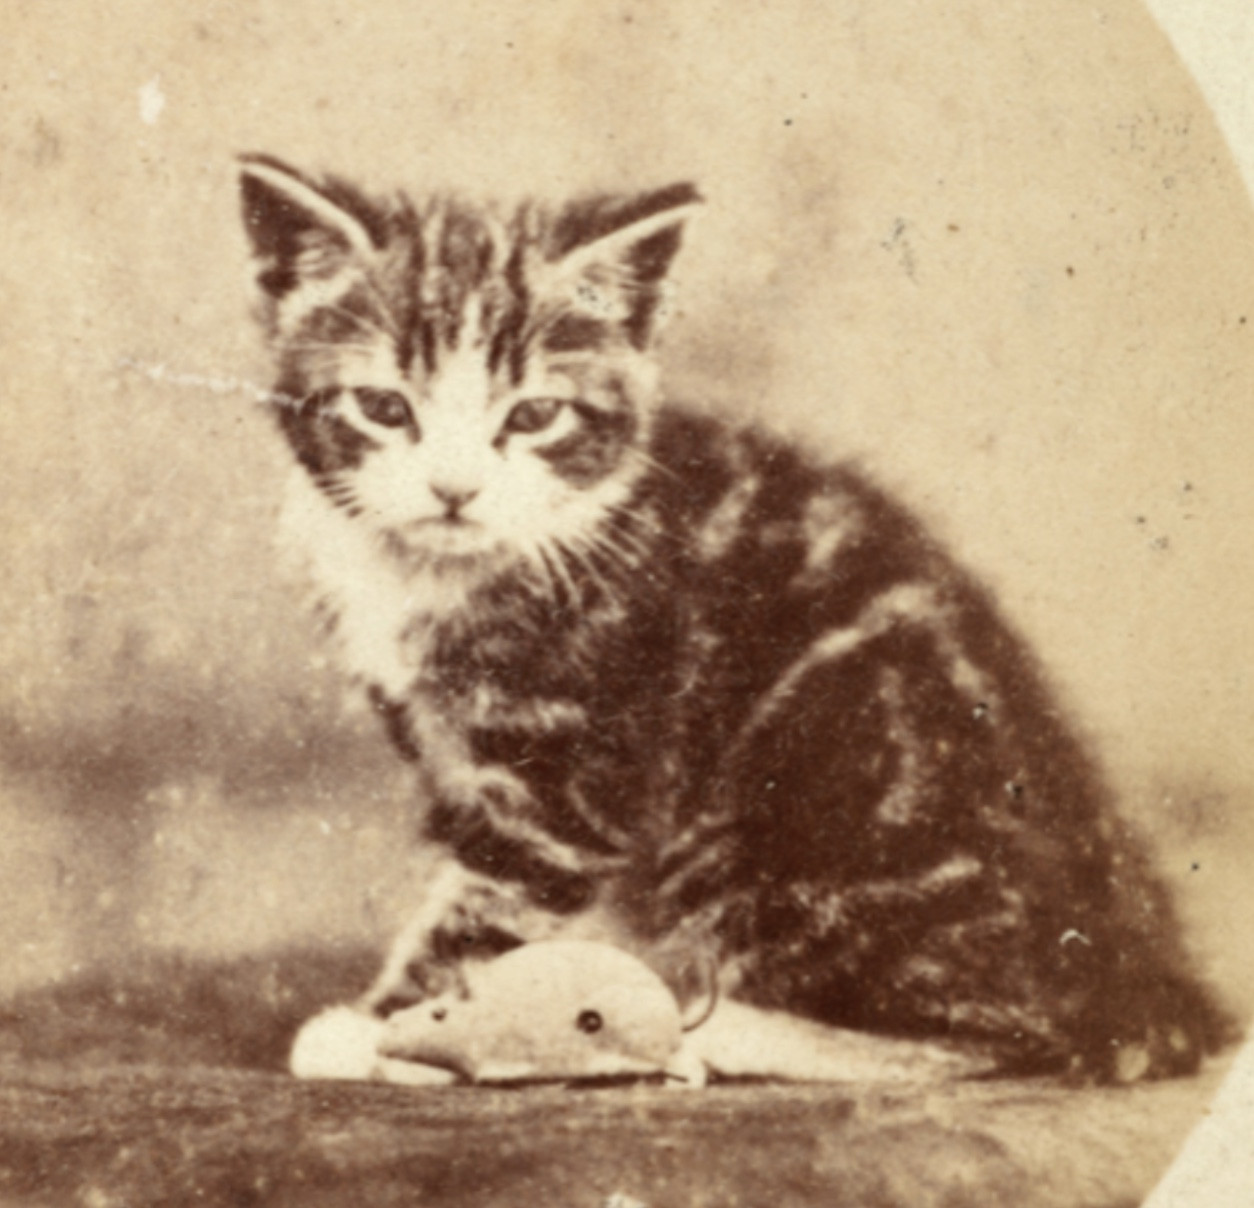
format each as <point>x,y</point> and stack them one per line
<point>692,1021</point>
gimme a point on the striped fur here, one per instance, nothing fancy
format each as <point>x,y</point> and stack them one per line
<point>676,682</point>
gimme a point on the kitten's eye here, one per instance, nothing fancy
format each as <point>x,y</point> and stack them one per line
<point>387,407</point>
<point>533,414</point>
<point>589,1021</point>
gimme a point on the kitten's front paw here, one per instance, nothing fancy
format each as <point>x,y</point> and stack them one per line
<point>343,1043</point>
<point>339,1043</point>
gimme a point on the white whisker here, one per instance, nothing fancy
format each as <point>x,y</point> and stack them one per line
<point>547,580</point>
<point>560,574</point>
<point>542,572</point>
<point>582,557</point>
<point>626,545</point>
<point>628,519</point>
<point>619,557</point>
<point>653,463</point>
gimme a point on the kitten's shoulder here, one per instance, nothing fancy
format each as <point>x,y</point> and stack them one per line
<point>740,485</point>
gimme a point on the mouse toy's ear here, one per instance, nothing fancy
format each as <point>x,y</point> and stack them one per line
<point>304,233</point>
<point>611,254</point>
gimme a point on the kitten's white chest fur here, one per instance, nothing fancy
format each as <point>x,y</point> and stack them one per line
<point>383,612</point>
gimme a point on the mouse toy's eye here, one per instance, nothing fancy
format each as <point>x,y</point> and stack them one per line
<point>387,407</point>
<point>589,1021</point>
<point>533,415</point>
<point>439,1014</point>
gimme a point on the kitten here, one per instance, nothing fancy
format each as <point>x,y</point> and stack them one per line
<point>679,684</point>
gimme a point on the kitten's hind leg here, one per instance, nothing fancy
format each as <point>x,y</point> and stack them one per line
<point>742,1041</point>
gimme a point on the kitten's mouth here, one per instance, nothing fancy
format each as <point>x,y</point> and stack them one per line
<point>441,526</point>
<point>446,538</point>
<point>445,523</point>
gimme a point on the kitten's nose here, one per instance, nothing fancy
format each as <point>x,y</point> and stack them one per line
<point>454,498</point>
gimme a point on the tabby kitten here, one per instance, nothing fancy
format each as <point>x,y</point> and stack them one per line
<point>675,683</point>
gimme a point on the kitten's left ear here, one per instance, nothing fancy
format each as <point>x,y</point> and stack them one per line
<point>625,246</point>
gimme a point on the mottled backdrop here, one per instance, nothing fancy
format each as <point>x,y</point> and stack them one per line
<point>998,252</point>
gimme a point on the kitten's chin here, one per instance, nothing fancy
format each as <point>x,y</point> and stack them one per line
<point>460,547</point>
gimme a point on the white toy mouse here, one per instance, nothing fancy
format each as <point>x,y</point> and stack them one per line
<point>555,1010</point>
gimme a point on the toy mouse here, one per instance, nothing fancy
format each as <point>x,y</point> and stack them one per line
<point>554,1010</point>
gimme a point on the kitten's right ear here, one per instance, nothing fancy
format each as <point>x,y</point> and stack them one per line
<point>300,231</point>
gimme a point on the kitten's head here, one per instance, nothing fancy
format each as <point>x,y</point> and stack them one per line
<point>473,385</point>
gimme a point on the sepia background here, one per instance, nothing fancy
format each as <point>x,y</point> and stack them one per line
<point>999,253</point>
